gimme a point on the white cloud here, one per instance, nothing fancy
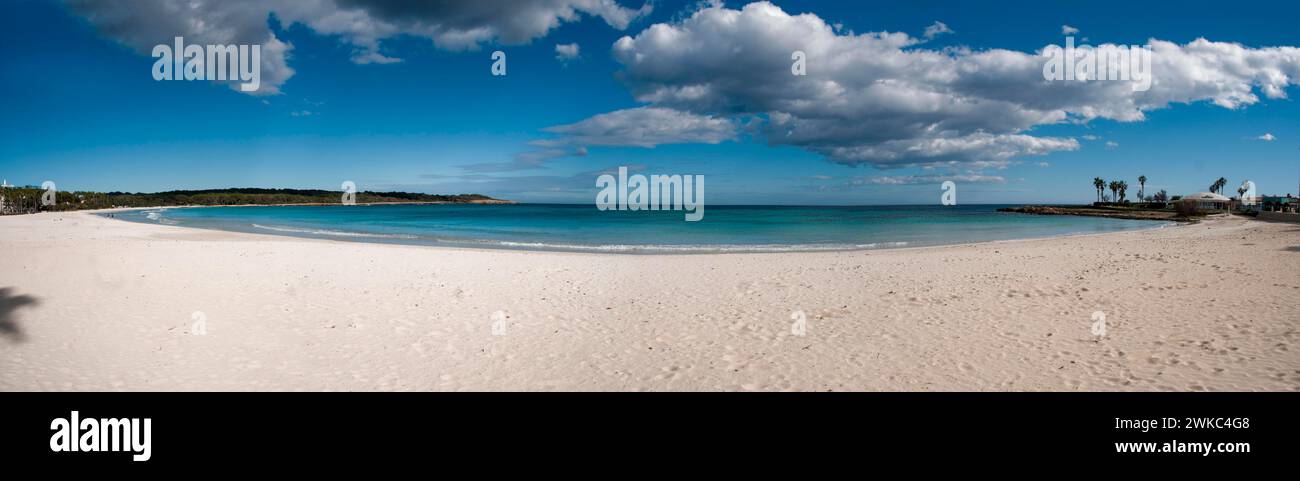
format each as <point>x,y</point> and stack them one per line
<point>881,99</point>
<point>639,127</point>
<point>1110,144</point>
<point>1266,138</point>
<point>369,57</point>
<point>141,24</point>
<point>928,179</point>
<point>567,51</point>
<point>1068,30</point>
<point>987,149</point>
<point>643,127</point>
<point>1044,165</point>
<point>935,29</point>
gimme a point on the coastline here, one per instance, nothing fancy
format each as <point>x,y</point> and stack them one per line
<point>333,234</point>
<point>316,204</point>
<point>1107,212</point>
<point>113,306</point>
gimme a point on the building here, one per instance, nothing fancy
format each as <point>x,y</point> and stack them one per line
<point>1209,201</point>
<point>1277,203</point>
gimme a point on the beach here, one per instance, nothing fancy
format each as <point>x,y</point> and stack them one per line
<point>92,303</point>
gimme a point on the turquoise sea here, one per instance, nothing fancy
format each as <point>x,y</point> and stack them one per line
<point>584,228</point>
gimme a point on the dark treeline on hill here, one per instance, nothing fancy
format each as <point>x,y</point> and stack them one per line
<point>28,199</point>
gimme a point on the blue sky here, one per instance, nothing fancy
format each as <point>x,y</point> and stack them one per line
<point>82,109</point>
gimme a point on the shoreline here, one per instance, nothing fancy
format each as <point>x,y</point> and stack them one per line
<point>601,249</point>
<point>307,204</point>
<point>1106,212</point>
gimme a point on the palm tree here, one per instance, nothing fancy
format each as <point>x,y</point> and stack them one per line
<point>1142,186</point>
<point>1123,189</point>
<point>1217,186</point>
<point>1114,190</point>
<point>1100,185</point>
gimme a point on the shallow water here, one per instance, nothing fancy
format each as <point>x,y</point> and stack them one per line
<point>584,228</point>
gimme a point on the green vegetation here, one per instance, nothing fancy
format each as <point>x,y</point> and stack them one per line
<point>28,199</point>
<point>1217,186</point>
<point>1119,191</point>
<point>1112,201</point>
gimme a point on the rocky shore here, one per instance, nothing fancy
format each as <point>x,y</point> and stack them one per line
<point>1117,213</point>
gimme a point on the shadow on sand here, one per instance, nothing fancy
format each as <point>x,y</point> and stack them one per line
<point>1291,248</point>
<point>9,305</point>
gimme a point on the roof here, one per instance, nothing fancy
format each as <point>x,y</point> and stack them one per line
<point>1206,196</point>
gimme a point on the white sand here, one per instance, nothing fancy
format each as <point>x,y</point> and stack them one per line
<point>1214,306</point>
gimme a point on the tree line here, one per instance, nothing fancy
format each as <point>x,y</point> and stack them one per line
<point>1119,191</point>
<point>28,199</point>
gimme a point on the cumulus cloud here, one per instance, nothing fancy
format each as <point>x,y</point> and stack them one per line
<point>568,51</point>
<point>467,24</point>
<point>142,24</point>
<point>1068,30</point>
<point>882,99</point>
<point>363,24</point>
<point>936,29</point>
<point>1266,138</point>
